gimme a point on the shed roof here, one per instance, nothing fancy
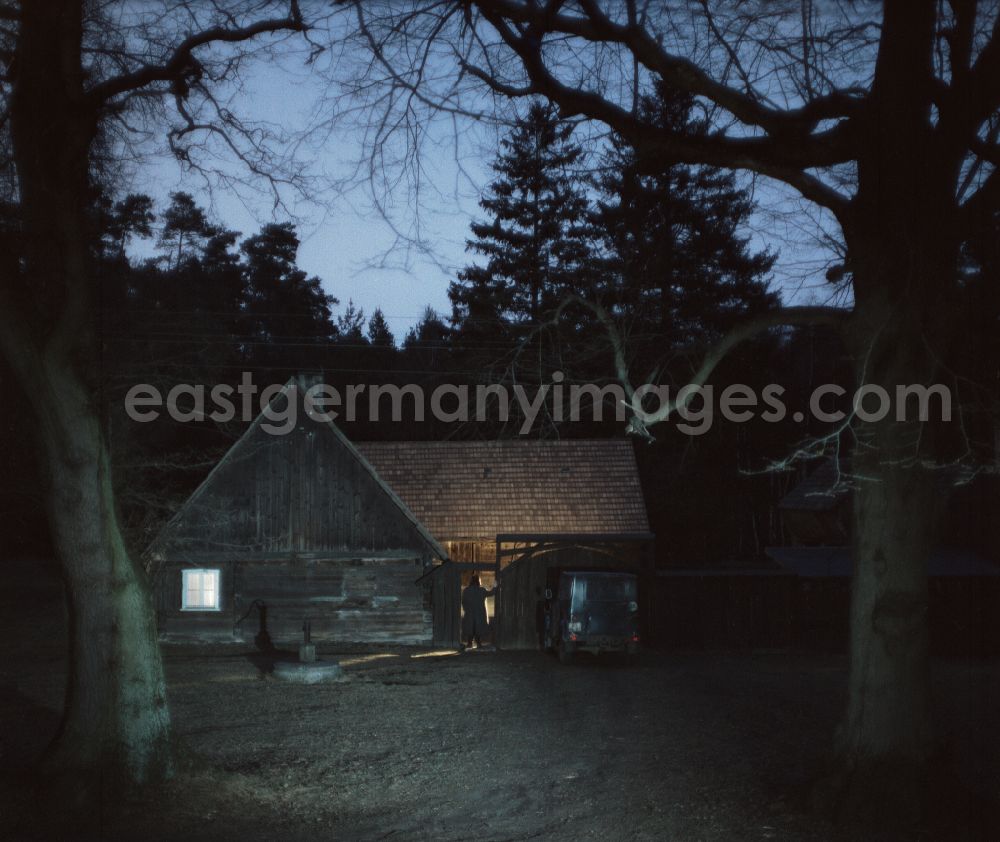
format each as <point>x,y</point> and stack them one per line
<point>824,562</point>
<point>475,490</point>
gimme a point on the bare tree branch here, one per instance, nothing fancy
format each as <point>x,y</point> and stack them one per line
<point>746,330</point>
<point>182,60</point>
<point>758,154</point>
<point>675,70</point>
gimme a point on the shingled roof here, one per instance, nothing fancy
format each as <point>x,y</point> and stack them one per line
<point>475,490</point>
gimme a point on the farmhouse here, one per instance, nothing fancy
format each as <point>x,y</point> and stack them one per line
<point>372,542</point>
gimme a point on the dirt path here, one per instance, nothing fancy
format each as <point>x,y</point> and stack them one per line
<point>417,744</point>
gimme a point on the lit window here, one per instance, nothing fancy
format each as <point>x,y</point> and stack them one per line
<point>200,590</point>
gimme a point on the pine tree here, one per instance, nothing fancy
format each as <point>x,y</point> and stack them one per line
<point>285,306</point>
<point>683,270</point>
<point>197,281</point>
<point>430,332</point>
<point>379,333</point>
<point>223,287</point>
<point>350,325</point>
<point>428,344</point>
<point>122,220</point>
<point>537,239</point>
<point>185,228</point>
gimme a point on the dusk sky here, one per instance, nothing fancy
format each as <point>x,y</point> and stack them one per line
<point>351,245</point>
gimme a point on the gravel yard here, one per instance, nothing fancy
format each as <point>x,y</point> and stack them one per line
<point>426,744</point>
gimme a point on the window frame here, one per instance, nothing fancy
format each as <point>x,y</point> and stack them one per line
<point>186,573</point>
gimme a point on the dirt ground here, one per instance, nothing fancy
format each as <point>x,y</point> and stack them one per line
<point>423,744</point>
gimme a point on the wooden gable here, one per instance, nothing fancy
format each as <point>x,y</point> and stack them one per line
<point>308,491</point>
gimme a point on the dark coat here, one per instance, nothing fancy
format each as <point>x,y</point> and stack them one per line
<point>474,605</point>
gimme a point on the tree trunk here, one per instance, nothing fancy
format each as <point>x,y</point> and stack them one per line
<point>115,720</point>
<point>884,741</point>
<point>902,238</point>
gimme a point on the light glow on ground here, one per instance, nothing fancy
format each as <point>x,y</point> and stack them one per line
<point>365,659</point>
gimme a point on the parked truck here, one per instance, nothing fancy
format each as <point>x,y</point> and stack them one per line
<point>590,611</point>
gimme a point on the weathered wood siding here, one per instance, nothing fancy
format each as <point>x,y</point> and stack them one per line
<point>444,587</point>
<point>301,522</point>
<point>302,492</point>
<point>480,552</point>
<point>373,600</point>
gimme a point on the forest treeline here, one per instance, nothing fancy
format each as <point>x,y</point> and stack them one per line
<point>661,248</point>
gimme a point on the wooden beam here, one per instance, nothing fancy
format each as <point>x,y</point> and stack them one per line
<point>589,537</point>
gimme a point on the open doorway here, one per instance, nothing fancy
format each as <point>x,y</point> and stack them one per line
<point>487,580</point>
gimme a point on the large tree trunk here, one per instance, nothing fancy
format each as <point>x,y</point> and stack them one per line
<point>903,248</point>
<point>115,718</point>
<point>898,337</point>
<point>884,740</point>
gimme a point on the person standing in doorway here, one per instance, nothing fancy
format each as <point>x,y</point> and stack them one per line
<point>474,624</point>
